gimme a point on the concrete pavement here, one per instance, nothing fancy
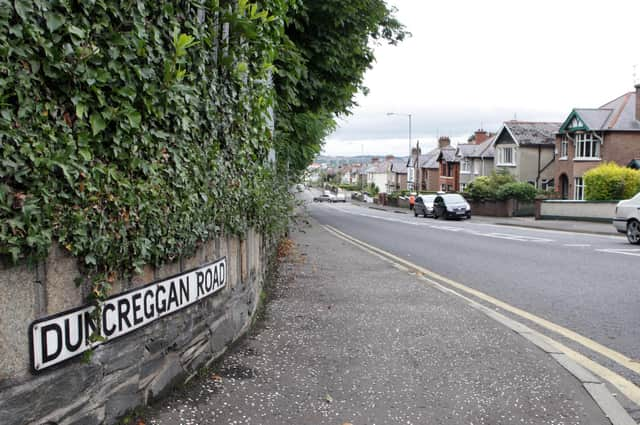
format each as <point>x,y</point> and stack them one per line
<point>350,338</point>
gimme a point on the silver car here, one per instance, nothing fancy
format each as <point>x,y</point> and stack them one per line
<point>627,218</point>
<point>424,205</point>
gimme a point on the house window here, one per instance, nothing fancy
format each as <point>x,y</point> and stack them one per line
<point>465,166</point>
<point>449,170</point>
<point>579,189</point>
<point>476,167</point>
<point>463,187</point>
<point>443,187</point>
<point>506,156</point>
<point>410,178</point>
<point>587,146</point>
<point>564,148</point>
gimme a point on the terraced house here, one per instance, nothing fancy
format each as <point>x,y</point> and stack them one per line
<point>589,137</point>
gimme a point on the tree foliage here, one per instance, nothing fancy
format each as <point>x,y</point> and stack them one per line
<point>328,50</point>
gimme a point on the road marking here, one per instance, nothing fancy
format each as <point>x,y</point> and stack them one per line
<point>495,235</point>
<point>634,252</point>
<point>626,387</point>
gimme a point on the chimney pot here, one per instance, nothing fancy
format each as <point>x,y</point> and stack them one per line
<point>443,142</point>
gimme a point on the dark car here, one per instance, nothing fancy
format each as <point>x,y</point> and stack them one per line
<point>451,205</point>
<point>424,205</point>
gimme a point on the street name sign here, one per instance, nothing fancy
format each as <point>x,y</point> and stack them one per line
<point>63,336</point>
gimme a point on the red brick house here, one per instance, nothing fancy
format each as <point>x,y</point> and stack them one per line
<point>449,160</point>
<point>590,137</point>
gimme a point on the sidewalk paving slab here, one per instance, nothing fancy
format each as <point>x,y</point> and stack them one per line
<point>350,339</point>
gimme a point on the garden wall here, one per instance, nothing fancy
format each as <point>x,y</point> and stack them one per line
<point>135,368</point>
<point>507,208</point>
<point>576,210</point>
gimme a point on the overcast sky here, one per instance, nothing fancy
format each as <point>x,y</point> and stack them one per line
<point>471,63</point>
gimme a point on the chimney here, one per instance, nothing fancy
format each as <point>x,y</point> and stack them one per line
<point>443,142</point>
<point>480,136</point>
<point>638,102</point>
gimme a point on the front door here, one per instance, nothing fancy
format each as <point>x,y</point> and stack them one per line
<point>564,186</point>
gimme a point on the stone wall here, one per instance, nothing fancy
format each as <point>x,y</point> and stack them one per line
<point>134,369</point>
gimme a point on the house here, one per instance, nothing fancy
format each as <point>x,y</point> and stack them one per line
<point>377,174</point>
<point>590,137</point>
<point>425,168</point>
<point>449,169</point>
<point>397,175</point>
<point>526,150</point>
<point>476,158</point>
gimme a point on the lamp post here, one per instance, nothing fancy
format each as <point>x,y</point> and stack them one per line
<point>408,116</point>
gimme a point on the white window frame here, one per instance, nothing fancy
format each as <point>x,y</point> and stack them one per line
<point>578,189</point>
<point>476,167</point>
<point>502,156</point>
<point>587,147</point>
<point>465,166</point>
<point>443,187</point>
<point>463,186</point>
<point>564,148</point>
<point>410,177</point>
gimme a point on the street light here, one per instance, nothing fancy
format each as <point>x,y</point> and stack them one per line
<point>404,115</point>
<point>409,116</point>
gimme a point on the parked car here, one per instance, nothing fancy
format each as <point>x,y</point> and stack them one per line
<point>451,205</point>
<point>627,218</point>
<point>424,205</point>
<point>340,197</point>
<point>325,197</point>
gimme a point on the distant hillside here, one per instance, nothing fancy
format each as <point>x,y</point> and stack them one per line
<point>334,161</point>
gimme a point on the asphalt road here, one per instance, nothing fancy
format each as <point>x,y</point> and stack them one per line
<point>589,284</point>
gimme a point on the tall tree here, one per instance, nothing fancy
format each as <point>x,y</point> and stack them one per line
<point>327,49</point>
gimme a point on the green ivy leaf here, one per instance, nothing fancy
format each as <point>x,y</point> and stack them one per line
<point>78,32</point>
<point>54,21</point>
<point>134,118</point>
<point>97,123</point>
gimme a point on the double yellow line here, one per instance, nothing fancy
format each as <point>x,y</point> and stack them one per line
<point>626,387</point>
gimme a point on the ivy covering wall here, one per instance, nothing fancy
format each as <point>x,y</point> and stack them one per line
<point>131,131</point>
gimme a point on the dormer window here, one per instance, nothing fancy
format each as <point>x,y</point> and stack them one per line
<point>587,146</point>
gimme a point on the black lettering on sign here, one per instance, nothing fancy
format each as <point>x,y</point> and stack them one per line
<point>123,313</point>
<point>161,306</point>
<point>173,295</point>
<point>137,319</point>
<point>200,283</point>
<point>107,331</point>
<point>148,305</point>
<point>72,346</point>
<point>46,331</point>
<point>208,280</point>
<point>63,336</point>
<point>184,290</point>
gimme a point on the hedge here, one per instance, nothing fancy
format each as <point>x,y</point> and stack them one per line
<point>611,181</point>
